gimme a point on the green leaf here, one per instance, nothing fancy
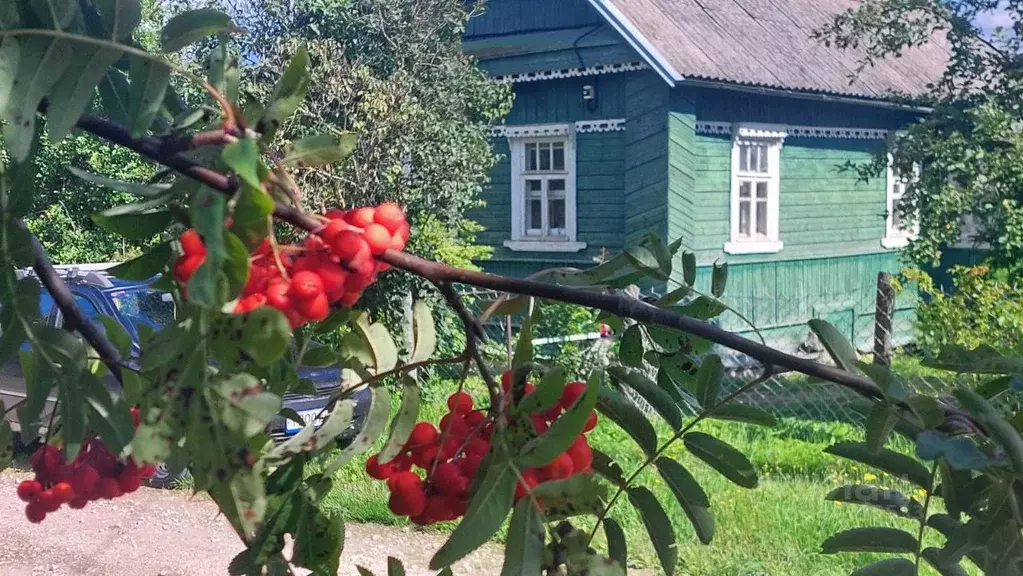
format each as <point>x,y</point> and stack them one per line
<point>981,360</point>
<point>319,355</point>
<point>564,431</point>
<point>288,94</point>
<point>689,268</point>
<point>898,465</point>
<point>207,212</point>
<point>577,495</point>
<point>364,571</point>
<point>252,207</point>
<point>608,468</point>
<point>722,457</point>
<point>880,423</point>
<point>887,500</point>
<point>630,351</point>
<point>933,557</point>
<point>141,226</point>
<point>242,156</point>
<point>960,452</point>
<point>242,500</point>
<point>651,392</point>
<point>629,418</point>
<point>39,381</point>
<point>116,333</point>
<point>110,419</point>
<point>42,62</point>
<point>999,429</point>
<point>927,409</point>
<point>508,307</point>
<point>673,297</point>
<point>372,428</point>
<point>119,17</point>
<point>236,263</point>
<point>6,452</point>
<point>703,308</point>
<point>55,14</point>
<point>658,526</point>
<point>72,414</point>
<point>744,413</point>
<point>262,335</point>
<point>71,95</point>
<point>319,540</point>
<point>404,421</point>
<point>385,353</point>
<point>523,550</point>
<point>873,539</point>
<point>394,567</point>
<point>708,380</point>
<point>144,267</point>
<point>12,333</point>
<point>888,567</point>
<point>547,393</point>
<point>246,409</point>
<point>690,496</point>
<point>10,54</point>
<point>617,549</point>
<point>524,345</point>
<point>646,262</point>
<point>149,81</point>
<point>113,92</point>
<point>718,279</point>
<point>487,510</point>
<point>192,26</point>
<point>837,345</point>
<point>320,149</point>
<point>424,333</point>
<point>145,190</point>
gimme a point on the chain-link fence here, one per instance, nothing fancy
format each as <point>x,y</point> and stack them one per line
<point>879,318</point>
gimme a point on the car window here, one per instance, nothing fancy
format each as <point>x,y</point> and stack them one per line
<point>144,307</point>
<point>90,311</point>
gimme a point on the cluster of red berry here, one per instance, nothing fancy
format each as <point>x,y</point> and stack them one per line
<point>450,465</point>
<point>336,264</point>
<point>95,473</point>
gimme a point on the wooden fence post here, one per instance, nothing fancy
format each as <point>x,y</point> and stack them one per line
<point>884,308</point>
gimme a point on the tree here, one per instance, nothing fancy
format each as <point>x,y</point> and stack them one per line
<point>967,152</point>
<point>202,392</point>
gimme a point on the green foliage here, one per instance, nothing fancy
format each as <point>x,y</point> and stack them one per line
<point>966,151</point>
<point>985,307</point>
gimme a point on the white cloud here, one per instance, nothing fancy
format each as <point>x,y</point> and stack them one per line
<point>988,21</point>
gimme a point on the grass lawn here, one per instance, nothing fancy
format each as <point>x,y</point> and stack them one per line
<point>775,529</point>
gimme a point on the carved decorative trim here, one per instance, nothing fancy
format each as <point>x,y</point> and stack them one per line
<point>608,125</point>
<point>545,130</point>
<point>727,128</point>
<point>570,72</point>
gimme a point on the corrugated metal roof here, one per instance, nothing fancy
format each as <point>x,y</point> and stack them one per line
<point>768,43</point>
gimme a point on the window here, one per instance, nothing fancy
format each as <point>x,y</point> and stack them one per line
<point>756,153</point>
<point>543,190</point>
<point>898,232</point>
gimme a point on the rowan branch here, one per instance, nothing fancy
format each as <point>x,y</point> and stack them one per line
<point>65,301</point>
<point>620,305</point>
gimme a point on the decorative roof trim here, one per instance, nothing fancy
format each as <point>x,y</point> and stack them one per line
<point>548,130</point>
<point>771,131</point>
<point>570,72</point>
<point>608,125</point>
<point>776,131</point>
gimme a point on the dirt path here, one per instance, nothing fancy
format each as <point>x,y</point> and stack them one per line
<point>166,533</point>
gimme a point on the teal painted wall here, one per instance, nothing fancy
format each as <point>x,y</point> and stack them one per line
<point>521,16</point>
<point>646,156</point>
<point>600,174</point>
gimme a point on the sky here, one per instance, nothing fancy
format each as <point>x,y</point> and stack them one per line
<point>989,21</point>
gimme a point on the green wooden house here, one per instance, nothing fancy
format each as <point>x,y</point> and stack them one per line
<point>720,122</point>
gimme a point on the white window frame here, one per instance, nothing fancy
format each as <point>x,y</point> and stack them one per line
<point>773,137</point>
<point>897,238</point>
<point>518,138</point>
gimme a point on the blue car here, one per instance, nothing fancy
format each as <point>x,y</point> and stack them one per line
<point>136,303</point>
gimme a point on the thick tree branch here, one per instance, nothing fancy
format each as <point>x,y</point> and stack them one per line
<point>440,274</point>
<point>65,301</point>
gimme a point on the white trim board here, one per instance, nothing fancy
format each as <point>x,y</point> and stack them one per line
<point>838,132</point>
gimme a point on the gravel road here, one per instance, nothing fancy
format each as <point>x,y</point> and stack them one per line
<point>169,533</point>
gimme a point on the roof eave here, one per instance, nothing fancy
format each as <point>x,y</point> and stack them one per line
<point>637,41</point>
<point>878,102</point>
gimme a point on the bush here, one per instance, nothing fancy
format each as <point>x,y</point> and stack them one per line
<point>985,307</point>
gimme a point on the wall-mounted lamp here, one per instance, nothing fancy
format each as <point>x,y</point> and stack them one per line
<point>590,96</point>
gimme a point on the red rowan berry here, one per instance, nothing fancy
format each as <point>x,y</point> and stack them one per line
<point>460,403</point>
<point>277,295</point>
<point>475,418</point>
<point>361,217</point>
<point>78,503</point>
<point>572,392</point>
<point>84,478</point>
<point>333,277</point>
<point>390,216</point>
<point>454,425</point>
<point>46,460</point>
<point>29,490</point>
<point>400,237</point>
<point>448,479</point>
<point>35,512</point>
<point>316,308</point>
<point>402,478</point>
<point>348,244</point>
<point>129,481</point>
<point>539,424</point>
<point>306,284</point>
<point>591,422</point>
<point>250,303</point>
<point>470,462</point>
<point>48,500</point>
<point>192,244</point>
<point>506,380</point>
<point>561,467</point>
<point>377,470</point>
<point>581,454</point>
<point>377,238</point>
<point>478,446</point>
<point>422,433</point>
<point>530,478</point>
<point>332,229</point>
<point>63,492</point>
<point>108,488</point>
<point>424,456</point>
<point>185,266</point>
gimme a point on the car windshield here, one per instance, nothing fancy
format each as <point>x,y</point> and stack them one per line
<point>144,307</point>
